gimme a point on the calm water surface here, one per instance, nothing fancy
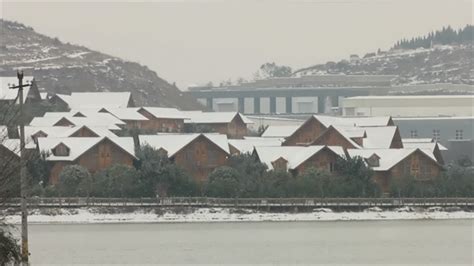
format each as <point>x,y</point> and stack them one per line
<point>380,242</point>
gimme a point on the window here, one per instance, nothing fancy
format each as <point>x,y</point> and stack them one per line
<point>458,133</point>
<point>436,134</point>
<point>413,134</point>
<point>60,150</point>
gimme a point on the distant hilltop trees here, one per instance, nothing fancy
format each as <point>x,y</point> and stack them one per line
<point>447,35</point>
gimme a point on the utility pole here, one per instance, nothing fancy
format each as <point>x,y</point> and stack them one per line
<point>23,185</point>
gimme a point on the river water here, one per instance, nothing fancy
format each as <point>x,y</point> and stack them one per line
<point>417,242</point>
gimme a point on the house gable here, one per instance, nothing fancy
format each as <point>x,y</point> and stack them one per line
<point>200,157</point>
<point>84,132</point>
<point>324,159</point>
<point>418,165</point>
<point>397,139</point>
<point>64,122</point>
<point>308,132</point>
<point>332,137</point>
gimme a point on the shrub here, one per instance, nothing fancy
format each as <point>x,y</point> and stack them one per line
<point>223,182</point>
<point>70,178</point>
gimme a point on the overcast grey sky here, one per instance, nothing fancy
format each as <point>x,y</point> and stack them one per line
<point>192,42</point>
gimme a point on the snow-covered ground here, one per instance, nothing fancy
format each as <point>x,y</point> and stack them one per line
<point>91,215</point>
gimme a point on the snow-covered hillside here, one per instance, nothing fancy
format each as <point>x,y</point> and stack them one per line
<point>438,64</point>
<point>63,67</point>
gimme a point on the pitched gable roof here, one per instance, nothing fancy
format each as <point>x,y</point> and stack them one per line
<point>3,132</point>
<point>12,145</point>
<point>125,113</point>
<point>339,131</point>
<point>79,146</point>
<point>279,131</point>
<point>247,145</point>
<point>164,112</point>
<point>82,100</point>
<point>92,119</point>
<point>294,155</point>
<point>173,143</point>
<point>379,137</point>
<point>199,117</point>
<point>423,143</point>
<point>374,121</point>
<point>388,157</point>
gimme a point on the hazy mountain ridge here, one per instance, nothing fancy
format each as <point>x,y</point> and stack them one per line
<point>447,62</point>
<point>64,68</point>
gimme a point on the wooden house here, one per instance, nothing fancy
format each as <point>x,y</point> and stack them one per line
<point>314,126</point>
<point>298,159</point>
<point>93,100</point>
<point>160,119</point>
<point>390,164</point>
<point>232,124</point>
<point>95,154</point>
<point>198,154</point>
<point>130,116</point>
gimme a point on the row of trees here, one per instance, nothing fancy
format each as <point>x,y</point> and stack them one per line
<point>445,36</point>
<point>245,177</point>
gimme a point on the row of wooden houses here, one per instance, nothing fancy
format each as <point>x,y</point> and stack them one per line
<point>103,129</point>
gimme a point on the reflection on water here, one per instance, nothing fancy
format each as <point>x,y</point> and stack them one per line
<point>379,242</point>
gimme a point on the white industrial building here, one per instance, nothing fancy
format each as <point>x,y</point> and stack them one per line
<point>403,106</point>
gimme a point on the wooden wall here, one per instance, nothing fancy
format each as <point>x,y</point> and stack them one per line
<point>200,157</point>
<point>306,134</point>
<point>160,124</point>
<point>332,137</point>
<point>323,160</point>
<point>101,156</point>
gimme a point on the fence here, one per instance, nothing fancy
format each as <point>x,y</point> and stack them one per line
<point>242,202</point>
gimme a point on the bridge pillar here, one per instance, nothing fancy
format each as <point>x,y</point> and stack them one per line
<point>209,103</point>
<point>256,105</point>
<point>289,105</point>
<point>321,104</point>
<point>272,105</point>
<point>241,105</point>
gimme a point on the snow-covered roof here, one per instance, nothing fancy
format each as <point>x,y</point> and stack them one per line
<point>3,132</point>
<point>294,155</point>
<point>350,131</point>
<point>62,132</point>
<point>82,100</point>
<point>199,117</point>
<point>342,132</point>
<point>417,140</point>
<point>12,145</point>
<point>92,119</point>
<point>388,157</point>
<point>279,131</point>
<point>247,145</point>
<point>78,146</point>
<point>11,94</point>
<point>125,114</point>
<point>173,143</point>
<point>430,146</point>
<point>373,121</point>
<point>164,112</point>
<point>379,137</point>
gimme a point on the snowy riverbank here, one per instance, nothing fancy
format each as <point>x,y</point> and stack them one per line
<point>96,215</point>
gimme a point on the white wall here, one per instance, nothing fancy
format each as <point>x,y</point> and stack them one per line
<point>300,104</point>
<point>280,105</point>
